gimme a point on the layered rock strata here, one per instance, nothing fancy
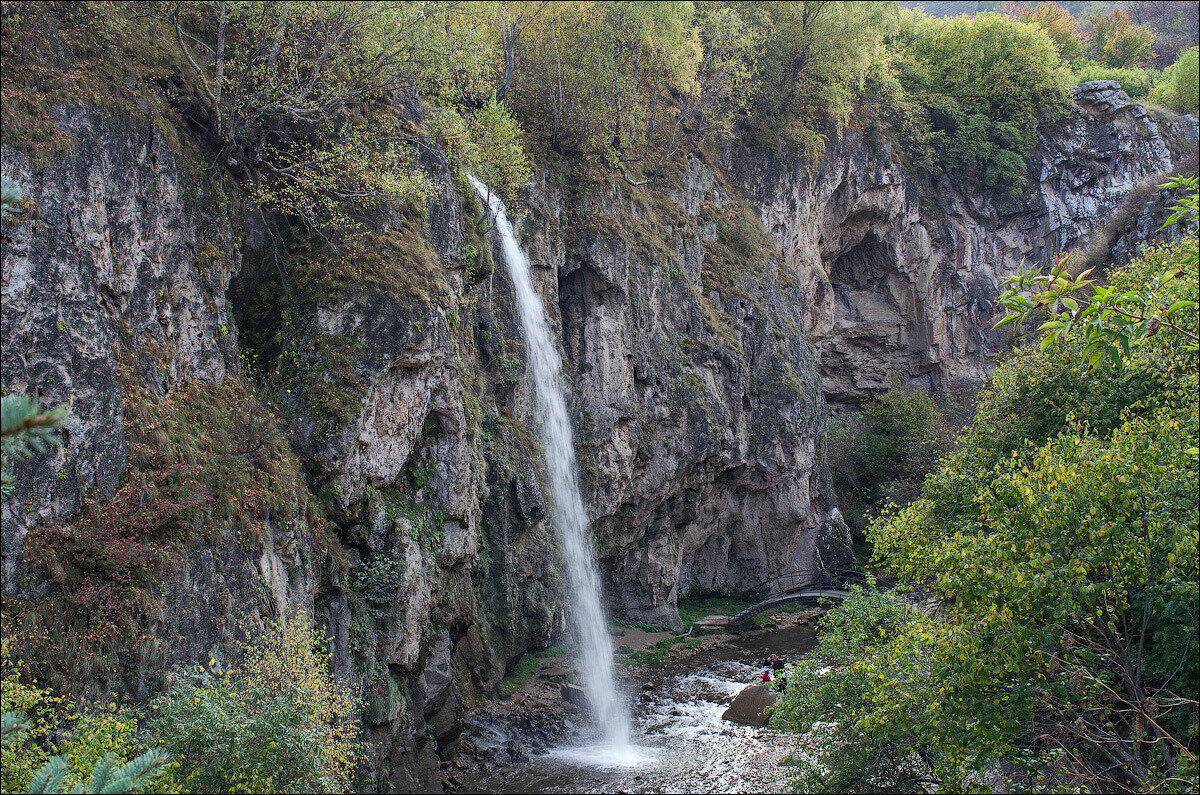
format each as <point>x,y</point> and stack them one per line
<point>900,272</point>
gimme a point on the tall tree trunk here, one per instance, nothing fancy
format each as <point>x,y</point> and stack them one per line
<point>510,59</point>
<point>559,99</point>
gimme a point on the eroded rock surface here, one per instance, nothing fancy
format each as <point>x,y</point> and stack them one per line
<point>900,273</point>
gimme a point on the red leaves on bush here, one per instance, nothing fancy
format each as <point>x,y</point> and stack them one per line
<point>111,540</point>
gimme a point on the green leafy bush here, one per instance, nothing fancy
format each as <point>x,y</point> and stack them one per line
<point>113,734</point>
<point>986,83</point>
<point>830,683</point>
<point>1059,25</point>
<point>1180,86</point>
<point>1116,42</point>
<point>1137,81</point>
<point>1061,538</point>
<point>24,754</point>
<point>885,450</point>
<point>277,722</point>
<point>106,776</point>
<point>90,757</point>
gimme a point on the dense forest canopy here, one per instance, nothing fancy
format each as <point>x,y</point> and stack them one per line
<point>623,86</point>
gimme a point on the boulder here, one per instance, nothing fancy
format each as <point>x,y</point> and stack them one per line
<point>748,706</point>
<point>574,695</point>
<point>556,673</point>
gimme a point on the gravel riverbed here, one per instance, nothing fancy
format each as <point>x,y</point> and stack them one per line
<point>533,741</point>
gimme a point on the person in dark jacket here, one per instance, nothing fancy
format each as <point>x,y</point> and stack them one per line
<point>776,666</point>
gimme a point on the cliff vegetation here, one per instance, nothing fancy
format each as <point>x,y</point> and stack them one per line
<point>273,511</point>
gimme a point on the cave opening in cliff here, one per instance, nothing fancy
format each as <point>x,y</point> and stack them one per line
<point>864,266</point>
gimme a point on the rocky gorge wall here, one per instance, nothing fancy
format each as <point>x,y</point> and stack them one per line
<point>353,435</point>
<point>901,272</point>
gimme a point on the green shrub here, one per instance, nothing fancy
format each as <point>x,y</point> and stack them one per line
<point>828,683</point>
<point>1137,82</point>
<point>883,452</point>
<point>1180,86</point>
<point>92,755</point>
<point>277,722</point>
<point>1061,538</point>
<point>1115,41</point>
<point>22,757</point>
<point>111,736</point>
<point>986,82</point>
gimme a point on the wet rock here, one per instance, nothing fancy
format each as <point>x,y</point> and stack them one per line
<point>747,706</point>
<point>574,695</point>
<point>433,686</point>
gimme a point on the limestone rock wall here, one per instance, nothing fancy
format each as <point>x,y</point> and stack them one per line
<point>108,282</point>
<point>698,414</point>
<point>900,274</point>
<point>416,534</point>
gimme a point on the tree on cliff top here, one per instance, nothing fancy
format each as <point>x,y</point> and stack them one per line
<point>1058,23</point>
<point>986,82</point>
<point>1116,42</point>
<point>815,56</point>
<point>1180,87</point>
<point>618,83</point>
<point>289,89</point>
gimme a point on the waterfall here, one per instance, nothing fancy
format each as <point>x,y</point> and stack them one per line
<point>595,654</point>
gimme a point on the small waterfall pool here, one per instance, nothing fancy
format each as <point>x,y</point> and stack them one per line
<point>678,723</point>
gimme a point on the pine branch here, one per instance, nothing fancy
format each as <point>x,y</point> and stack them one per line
<point>50,777</point>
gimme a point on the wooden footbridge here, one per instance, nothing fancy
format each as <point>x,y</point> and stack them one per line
<point>800,587</point>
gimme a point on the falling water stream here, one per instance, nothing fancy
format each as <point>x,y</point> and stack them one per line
<point>611,714</point>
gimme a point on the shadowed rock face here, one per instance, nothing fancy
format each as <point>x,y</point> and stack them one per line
<point>699,352</point>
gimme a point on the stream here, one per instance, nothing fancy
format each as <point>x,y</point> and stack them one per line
<point>677,724</point>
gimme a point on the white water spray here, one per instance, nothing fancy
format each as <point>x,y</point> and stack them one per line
<point>570,516</point>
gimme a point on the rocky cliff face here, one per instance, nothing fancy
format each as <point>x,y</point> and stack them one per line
<point>394,485</point>
<point>697,410</point>
<point>382,494</point>
<point>901,273</point>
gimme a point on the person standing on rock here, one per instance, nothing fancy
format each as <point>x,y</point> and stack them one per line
<point>776,666</point>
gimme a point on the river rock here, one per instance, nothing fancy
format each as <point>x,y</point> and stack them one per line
<point>574,695</point>
<point>556,672</point>
<point>748,706</point>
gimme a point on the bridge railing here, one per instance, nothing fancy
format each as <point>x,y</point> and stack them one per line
<point>803,578</point>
